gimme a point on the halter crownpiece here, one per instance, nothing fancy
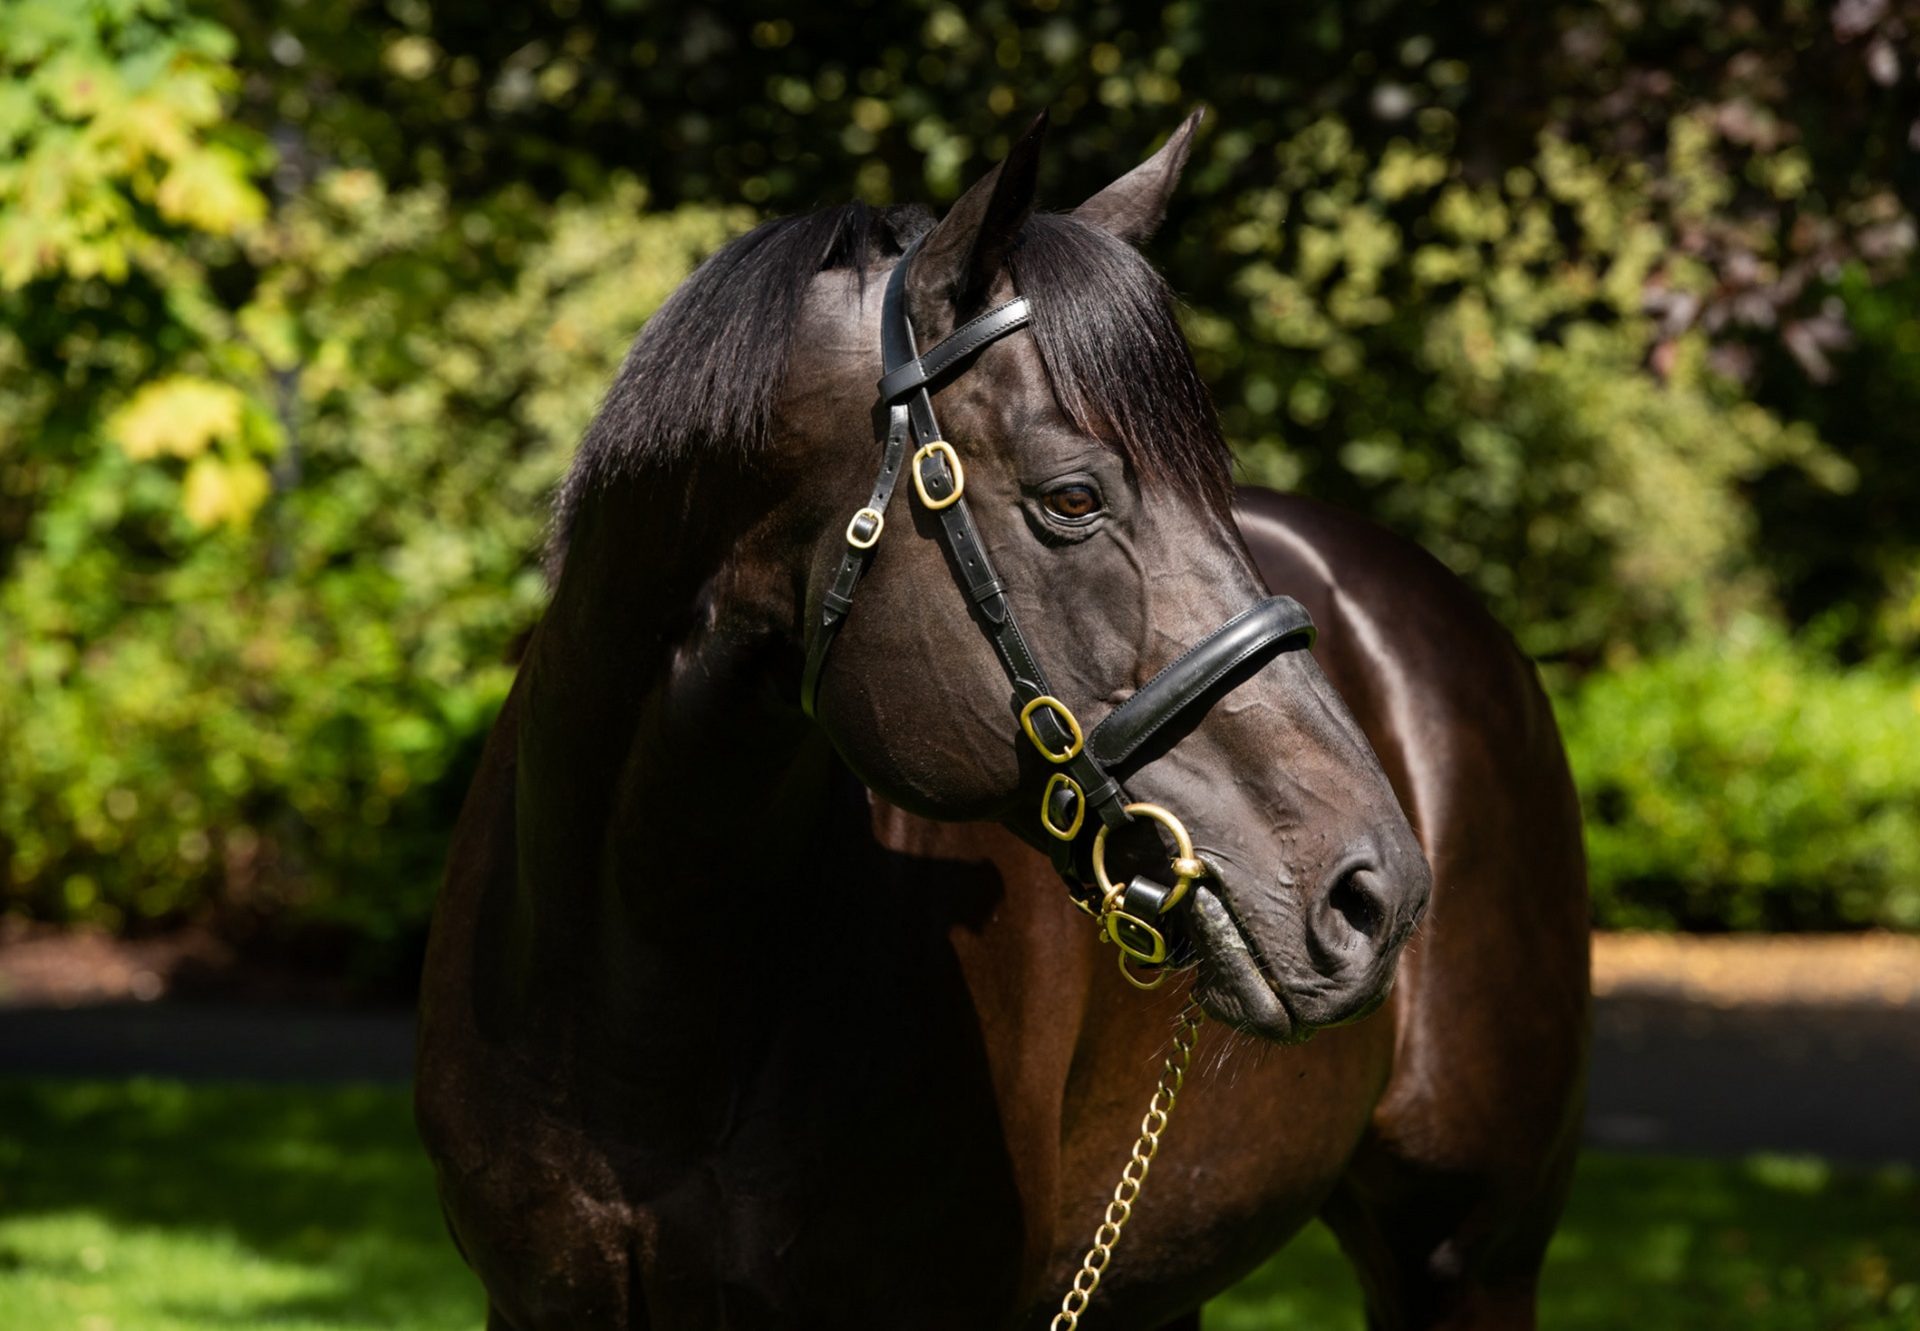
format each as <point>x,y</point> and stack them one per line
<point>1083,763</point>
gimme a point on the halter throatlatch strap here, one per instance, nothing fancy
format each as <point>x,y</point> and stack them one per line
<point>1080,781</point>
<point>863,533</point>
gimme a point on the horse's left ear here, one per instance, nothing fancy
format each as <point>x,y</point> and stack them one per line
<point>963,253</point>
<point>1132,207</point>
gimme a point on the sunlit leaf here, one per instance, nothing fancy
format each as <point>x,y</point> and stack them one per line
<point>209,188</point>
<point>223,490</point>
<point>180,416</point>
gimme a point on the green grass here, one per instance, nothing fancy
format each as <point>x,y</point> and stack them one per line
<point>152,1206</point>
<point>1767,1244</point>
<point>155,1206</point>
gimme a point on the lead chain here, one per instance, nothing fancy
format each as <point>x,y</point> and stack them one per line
<point>1133,1175</point>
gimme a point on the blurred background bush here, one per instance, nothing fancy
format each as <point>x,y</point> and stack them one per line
<point>303,307</point>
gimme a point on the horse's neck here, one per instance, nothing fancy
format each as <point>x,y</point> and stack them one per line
<point>694,862</point>
<point>704,893</point>
<point>653,753</point>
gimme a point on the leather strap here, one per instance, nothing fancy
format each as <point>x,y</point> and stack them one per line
<point>955,347</point>
<point>1265,629</point>
<point>911,375</point>
<point>837,600</point>
<point>905,366</point>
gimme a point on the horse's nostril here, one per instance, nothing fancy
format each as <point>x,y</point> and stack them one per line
<point>1357,905</point>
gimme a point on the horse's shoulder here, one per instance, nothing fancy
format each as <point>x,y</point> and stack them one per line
<point>1307,543</point>
<point>1397,625</point>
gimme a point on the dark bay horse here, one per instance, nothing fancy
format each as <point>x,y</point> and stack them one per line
<point>736,1016</point>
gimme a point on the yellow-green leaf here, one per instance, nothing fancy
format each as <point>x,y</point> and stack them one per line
<point>208,188</point>
<point>181,416</point>
<point>223,490</point>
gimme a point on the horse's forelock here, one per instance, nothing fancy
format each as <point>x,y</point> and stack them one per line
<point>1116,356</point>
<point>706,372</point>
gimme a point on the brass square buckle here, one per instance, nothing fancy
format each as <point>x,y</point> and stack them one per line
<point>1061,781</point>
<point>952,459</point>
<point>1136,939</point>
<point>863,537</point>
<point>1075,743</point>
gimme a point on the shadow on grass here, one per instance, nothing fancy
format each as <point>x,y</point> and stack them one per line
<point>156,1205</point>
<point>1766,1244</point>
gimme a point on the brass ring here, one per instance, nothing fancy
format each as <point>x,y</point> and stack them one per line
<point>879,524</point>
<point>1059,709</point>
<point>1072,829</point>
<point>1183,860</point>
<point>945,450</point>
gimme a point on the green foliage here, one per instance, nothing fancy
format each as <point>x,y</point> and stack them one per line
<point>1748,782</point>
<point>1704,171</point>
<point>303,306</point>
<point>1852,557</point>
<point>124,189</point>
<point>114,139</point>
<point>274,707</point>
<point>153,1206</point>
<point>1470,363</point>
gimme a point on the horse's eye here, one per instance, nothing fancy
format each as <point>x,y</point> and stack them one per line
<point>1075,503</point>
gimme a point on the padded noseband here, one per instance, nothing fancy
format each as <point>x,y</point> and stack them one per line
<point>1248,639</point>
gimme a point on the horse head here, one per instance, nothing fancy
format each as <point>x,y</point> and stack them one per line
<point>1097,485</point>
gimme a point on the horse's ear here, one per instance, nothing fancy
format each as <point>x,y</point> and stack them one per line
<point>1133,206</point>
<point>961,256</point>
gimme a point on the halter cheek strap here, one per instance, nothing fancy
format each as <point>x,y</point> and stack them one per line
<point>1081,780</point>
<point>939,478</point>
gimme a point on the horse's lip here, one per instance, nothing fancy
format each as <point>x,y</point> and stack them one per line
<point>1248,999</point>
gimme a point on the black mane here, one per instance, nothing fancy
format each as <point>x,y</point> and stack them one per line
<point>706,370</point>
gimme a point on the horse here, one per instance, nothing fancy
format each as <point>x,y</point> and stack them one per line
<point>773,982</point>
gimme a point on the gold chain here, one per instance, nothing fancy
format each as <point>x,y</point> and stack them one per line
<point>1134,1175</point>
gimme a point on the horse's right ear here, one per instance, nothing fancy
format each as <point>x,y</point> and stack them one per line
<point>961,256</point>
<point>1133,206</point>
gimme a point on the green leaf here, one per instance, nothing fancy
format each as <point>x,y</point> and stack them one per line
<point>181,416</point>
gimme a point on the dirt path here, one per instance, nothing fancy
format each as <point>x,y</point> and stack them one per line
<point>1802,970</point>
<point>1701,1046</point>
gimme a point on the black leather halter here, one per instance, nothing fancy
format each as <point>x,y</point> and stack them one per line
<point>1085,764</point>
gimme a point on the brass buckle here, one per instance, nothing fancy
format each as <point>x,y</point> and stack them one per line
<point>1071,830</point>
<point>1186,865</point>
<point>879,521</point>
<point>1135,937</point>
<point>945,450</point>
<point>1059,709</point>
<point>1126,973</point>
